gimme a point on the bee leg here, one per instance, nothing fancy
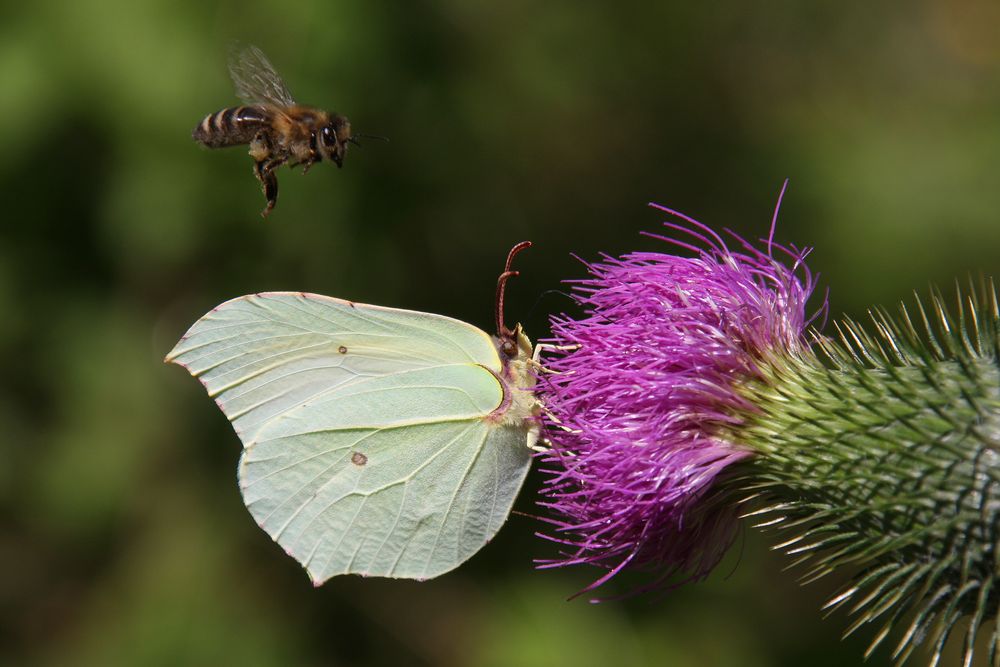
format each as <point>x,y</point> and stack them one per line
<point>305,164</point>
<point>305,158</point>
<point>260,148</point>
<point>270,187</point>
<point>264,171</point>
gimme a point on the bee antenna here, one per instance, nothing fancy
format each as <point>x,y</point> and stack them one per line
<point>367,136</point>
<point>503,332</point>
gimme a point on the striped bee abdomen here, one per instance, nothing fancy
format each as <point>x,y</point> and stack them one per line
<point>230,127</point>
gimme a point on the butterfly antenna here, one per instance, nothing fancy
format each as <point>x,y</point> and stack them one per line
<point>503,333</point>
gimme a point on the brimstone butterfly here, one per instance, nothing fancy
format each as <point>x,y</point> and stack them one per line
<point>376,441</point>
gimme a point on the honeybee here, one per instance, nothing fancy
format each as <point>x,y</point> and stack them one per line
<point>278,130</point>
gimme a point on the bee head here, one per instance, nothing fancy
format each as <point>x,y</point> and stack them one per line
<point>333,139</point>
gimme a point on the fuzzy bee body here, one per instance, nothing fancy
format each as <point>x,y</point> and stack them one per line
<point>277,129</point>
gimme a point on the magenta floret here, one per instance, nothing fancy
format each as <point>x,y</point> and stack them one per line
<point>645,386</point>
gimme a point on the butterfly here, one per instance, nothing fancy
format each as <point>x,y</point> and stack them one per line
<point>376,441</point>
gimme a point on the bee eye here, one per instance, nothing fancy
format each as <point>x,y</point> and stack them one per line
<point>329,136</point>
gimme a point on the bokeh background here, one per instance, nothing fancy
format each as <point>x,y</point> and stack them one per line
<point>123,538</point>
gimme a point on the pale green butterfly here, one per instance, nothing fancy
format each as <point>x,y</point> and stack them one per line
<point>376,441</point>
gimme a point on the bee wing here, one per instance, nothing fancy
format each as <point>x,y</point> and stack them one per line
<point>255,79</point>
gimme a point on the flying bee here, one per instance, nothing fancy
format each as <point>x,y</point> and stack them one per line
<point>278,130</point>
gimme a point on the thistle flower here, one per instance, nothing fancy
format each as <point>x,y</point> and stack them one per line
<point>692,391</point>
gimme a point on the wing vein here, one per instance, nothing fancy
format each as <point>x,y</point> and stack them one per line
<point>451,503</point>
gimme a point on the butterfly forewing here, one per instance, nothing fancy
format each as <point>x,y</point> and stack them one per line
<point>262,355</point>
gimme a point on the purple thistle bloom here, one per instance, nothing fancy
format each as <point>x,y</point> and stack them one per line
<point>644,395</point>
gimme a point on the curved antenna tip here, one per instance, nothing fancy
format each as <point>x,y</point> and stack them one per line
<point>503,333</point>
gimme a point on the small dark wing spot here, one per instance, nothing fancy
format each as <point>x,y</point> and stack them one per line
<point>358,459</point>
<point>342,349</point>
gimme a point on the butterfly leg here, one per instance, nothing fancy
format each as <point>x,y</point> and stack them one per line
<point>538,440</point>
<point>543,444</point>
<point>542,347</point>
<point>540,445</point>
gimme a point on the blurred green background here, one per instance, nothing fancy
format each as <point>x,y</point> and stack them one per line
<point>124,539</point>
